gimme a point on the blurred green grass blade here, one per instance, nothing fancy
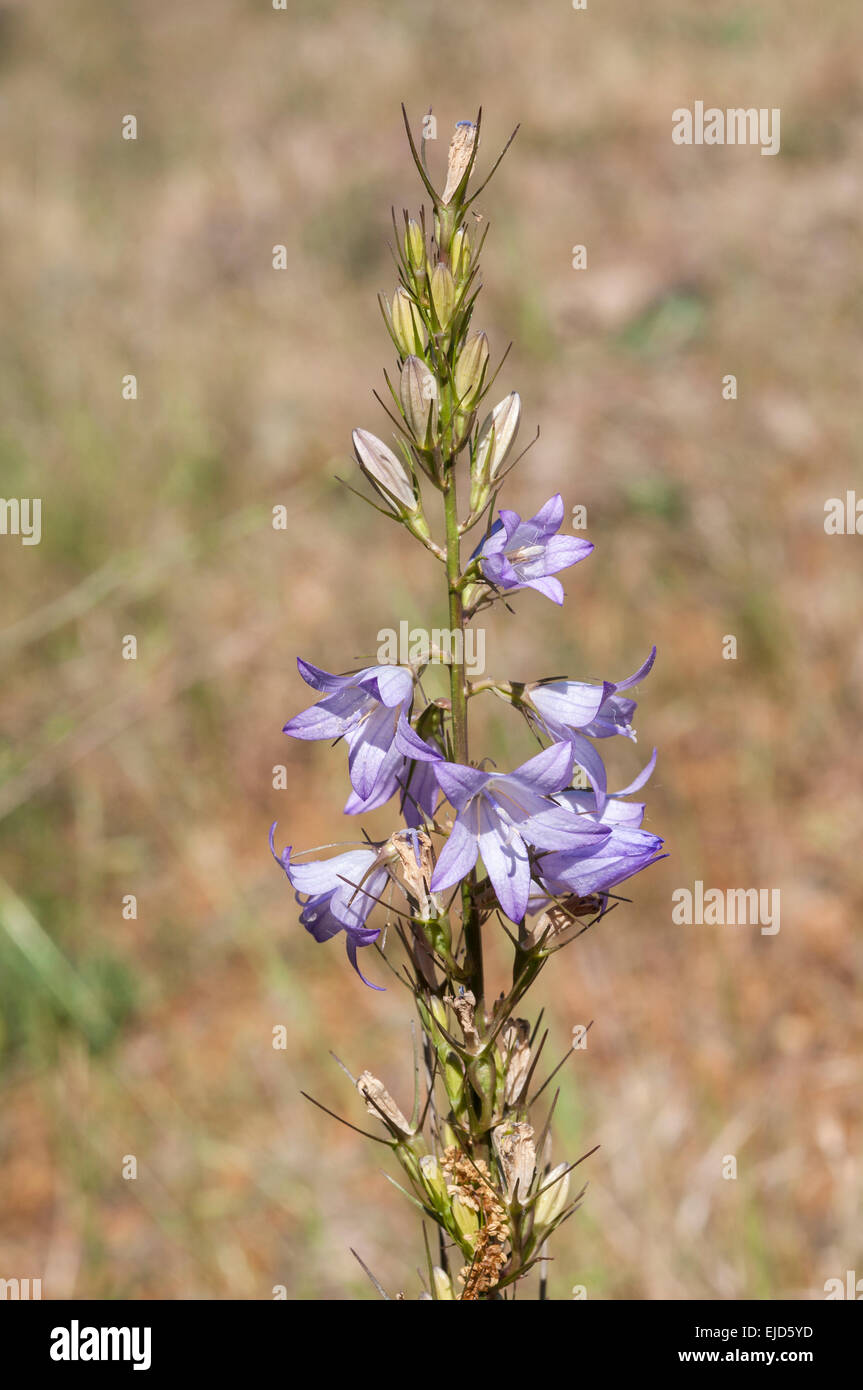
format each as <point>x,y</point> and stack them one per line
<point>50,967</point>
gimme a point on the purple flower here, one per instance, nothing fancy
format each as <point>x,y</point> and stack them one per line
<point>500,815</point>
<point>364,710</point>
<point>409,772</point>
<point>626,851</point>
<point>337,895</point>
<point>572,709</point>
<point>524,554</point>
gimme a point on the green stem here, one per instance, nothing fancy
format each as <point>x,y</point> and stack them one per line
<point>458,692</point>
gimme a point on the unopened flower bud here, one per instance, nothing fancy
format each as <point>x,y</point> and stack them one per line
<point>384,470</point>
<point>466,1218</point>
<point>415,251</point>
<point>459,254</point>
<point>433,1180</point>
<point>408,327</point>
<point>495,439</point>
<point>380,1103</point>
<point>438,1009</point>
<point>551,1202</point>
<point>470,370</point>
<point>419,398</point>
<point>460,151</point>
<point>443,294</point>
<point>516,1152</point>
<point>453,1079</point>
<point>442,1284</point>
<point>515,1047</point>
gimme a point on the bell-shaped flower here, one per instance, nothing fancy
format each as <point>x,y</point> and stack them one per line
<point>572,709</point>
<point>526,554</point>
<point>414,782</point>
<point>499,816</point>
<point>586,870</point>
<point>337,895</point>
<point>363,709</point>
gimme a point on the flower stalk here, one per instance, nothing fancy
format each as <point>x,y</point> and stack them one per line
<point>534,852</point>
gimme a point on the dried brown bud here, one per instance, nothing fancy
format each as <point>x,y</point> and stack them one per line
<point>380,1103</point>
<point>464,1008</point>
<point>460,150</point>
<point>558,918</point>
<point>516,1152</point>
<point>515,1048</point>
<point>416,860</point>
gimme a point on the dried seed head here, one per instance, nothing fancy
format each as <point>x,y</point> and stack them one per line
<point>464,1008</point>
<point>470,370</point>
<point>516,1152</point>
<point>380,1103</point>
<point>471,1182</point>
<point>408,328</point>
<point>550,1203</point>
<point>384,470</point>
<point>416,860</point>
<point>419,398</point>
<point>515,1047</point>
<point>558,918</point>
<point>460,150</point>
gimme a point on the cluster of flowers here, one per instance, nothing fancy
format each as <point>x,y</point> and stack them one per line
<point>539,838</point>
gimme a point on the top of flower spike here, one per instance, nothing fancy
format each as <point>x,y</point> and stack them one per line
<point>460,151</point>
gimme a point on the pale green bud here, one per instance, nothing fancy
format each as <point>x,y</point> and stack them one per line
<point>551,1203</point>
<point>415,251</point>
<point>495,439</point>
<point>443,294</point>
<point>419,397</point>
<point>466,1218</point>
<point>470,370</point>
<point>438,1009</point>
<point>384,470</point>
<point>459,254</point>
<point>433,1180</point>
<point>442,1285</point>
<point>453,1076</point>
<point>408,328</point>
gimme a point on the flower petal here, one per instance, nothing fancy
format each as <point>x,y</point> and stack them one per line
<point>506,860</point>
<point>459,854</point>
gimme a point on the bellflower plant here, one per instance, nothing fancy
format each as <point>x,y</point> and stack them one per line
<point>530,853</point>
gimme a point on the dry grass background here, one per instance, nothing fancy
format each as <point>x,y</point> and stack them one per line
<point>153,1037</point>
